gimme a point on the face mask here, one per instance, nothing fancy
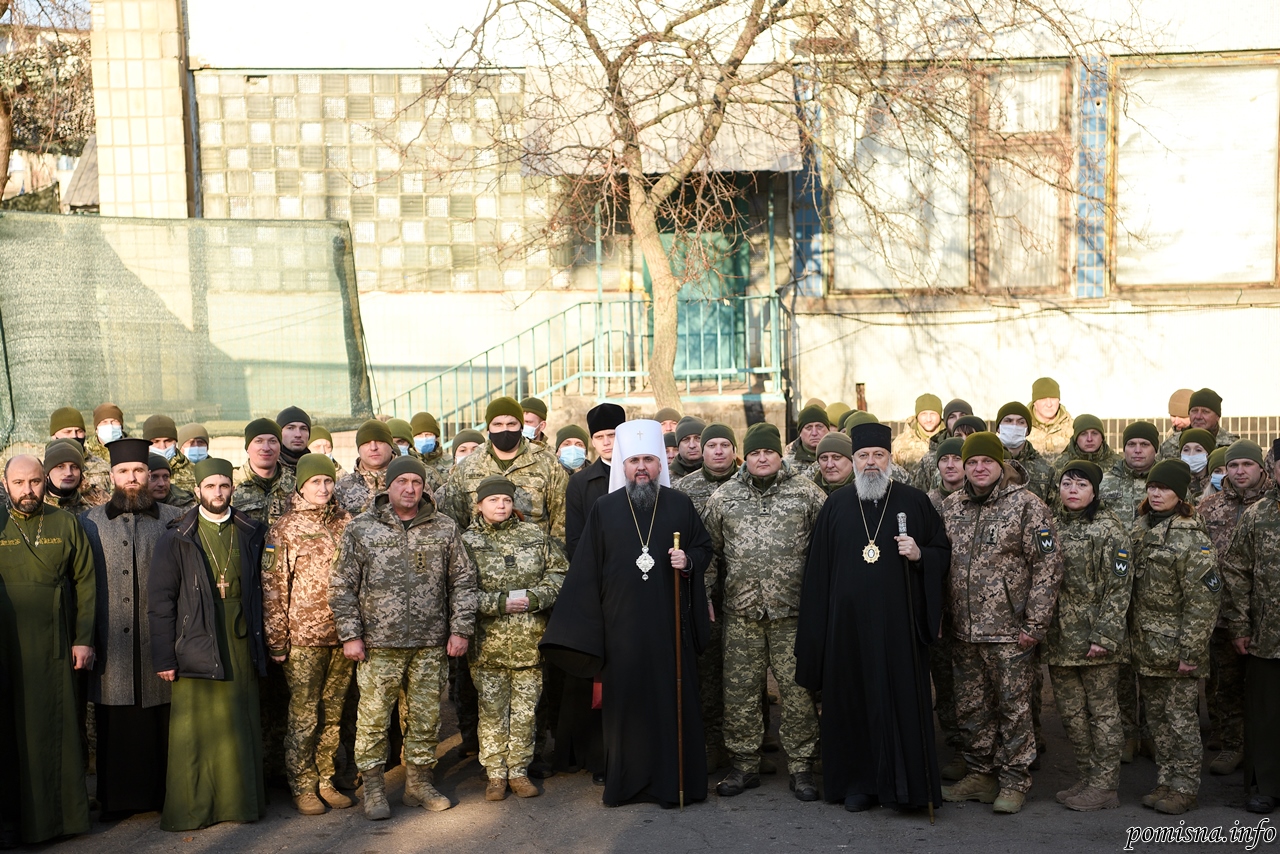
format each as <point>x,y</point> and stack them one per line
<point>506,440</point>
<point>425,446</point>
<point>573,456</point>
<point>1196,461</point>
<point>1216,479</point>
<point>529,433</point>
<point>109,433</point>
<point>168,453</point>
<point>404,449</point>
<point>1012,435</point>
<point>196,453</point>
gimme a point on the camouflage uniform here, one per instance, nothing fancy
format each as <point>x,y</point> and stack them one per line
<point>1005,572</point>
<point>356,490</point>
<point>761,538</point>
<point>85,498</point>
<point>182,472</point>
<point>298,623</point>
<point>1054,437</point>
<point>263,500</point>
<point>540,483</point>
<point>1171,448</point>
<point>403,591</point>
<point>97,471</point>
<point>504,658</point>
<point>1104,458</point>
<point>180,498</point>
<point>913,444</point>
<point>439,462</point>
<point>828,488</point>
<point>800,459</point>
<point>1092,603</point>
<point>1176,593</point>
<point>1224,690</point>
<point>699,487</point>
<point>941,664</point>
<point>1036,471</point>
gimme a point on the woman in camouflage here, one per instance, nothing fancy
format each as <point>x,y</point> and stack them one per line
<point>520,571</point>
<point>1086,638</point>
<point>1176,593</point>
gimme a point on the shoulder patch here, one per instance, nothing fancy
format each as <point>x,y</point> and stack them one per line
<point>1044,539</point>
<point>1212,580</point>
<point>1120,566</point>
<point>268,558</point>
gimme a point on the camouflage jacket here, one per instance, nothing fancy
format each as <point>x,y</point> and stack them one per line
<point>828,488</point>
<point>800,459</point>
<point>1122,492</point>
<point>761,540</point>
<point>356,490</point>
<point>97,471</point>
<point>85,498</point>
<point>1221,512</point>
<point>182,498</point>
<point>700,486</point>
<point>402,588</point>
<point>1036,470</point>
<point>182,472</point>
<point>539,479</point>
<point>1005,564</point>
<point>1176,594</point>
<point>262,500</point>
<point>1104,457</point>
<point>512,556</point>
<point>938,495</point>
<point>296,562</point>
<point>1171,448</point>
<point>913,444</point>
<point>679,469</point>
<point>1054,437</point>
<point>1093,599</point>
<point>440,462</point>
<point>1251,572</point>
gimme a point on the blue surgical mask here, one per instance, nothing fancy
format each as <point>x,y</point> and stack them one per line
<point>168,453</point>
<point>1216,479</point>
<point>196,453</point>
<point>1012,435</point>
<point>109,432</point>
<point>404,449</point>
<point>1197,462</point>
<point>529,433</point>
<point>573,456</point>
<point>425,446</point>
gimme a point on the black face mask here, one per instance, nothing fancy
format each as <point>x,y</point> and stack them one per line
<point>505,440</point>
<point>80,439</point>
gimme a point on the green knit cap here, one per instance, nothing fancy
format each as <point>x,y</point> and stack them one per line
<point>535,405</point>
<point>194,430</point>
<point>406,465</point>
<point>688,426</point>
<point>983,444</point>
<point>1241,449</point>
<point>669,440</point>
<point>666,414</point>
<point>321,433</point>
<point>716,430</point>
<point>503,406</point>
<point>465,436</point>
<point>1013,407</point>
<point>572,431</point>
<point>210,466</point>
<point>1175,474</point>
<point>762,436</point>
<point>1218,458</point>
<point>374,430</point>
<point>812,415</point>
<point>400,429</point>
<point>1092,471</point>
<point>67,416</point>
<point>854,417</point>
<point>956,405</point>
<point>1208,398</point>
<point>424,422</point>
<point>1201,437</point>
<point>949,447</point>
<point>836,442</point>
<point>1087,422</point>
<point>836,411</point>
<point>928,403</point>
<point>314,465</point>
<point>495,484</point>
<point>61,451</point>
<point>971,421</point>
<point>1044,387</point>
<point>1142,430</point>
<point>255,428</point>
<point>159,427</point>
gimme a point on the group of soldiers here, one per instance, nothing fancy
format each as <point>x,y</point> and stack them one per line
<point>1130,573</point>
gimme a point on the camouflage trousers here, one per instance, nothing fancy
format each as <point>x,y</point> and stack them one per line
<point>751,647</point>
<point>1090,712</point>
<point>944,688</point>
<point>711,687</point>
<point>993,710</point>
<point>1224,691</point>
<point>508,701</point>
<point>422,673</point>
<point>1037,695</point>
<point>1173,715</point>
<point>319,679</point>
<point>1132,714</point>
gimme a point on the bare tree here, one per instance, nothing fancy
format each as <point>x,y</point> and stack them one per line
<point>46,87</point>
<point>647,105</point>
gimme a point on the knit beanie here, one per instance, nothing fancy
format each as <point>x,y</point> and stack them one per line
<point>949,447</point>
<point>374,430</point>
<point>812,415</point>
<point>1091,471</point>
<point>983,444</point>
<point>1013,407</point>
<point>465,436</point>
<point>61,451</point>
<point>716,430</point>
<point>260,427</point>
<point>535,405</point>
<point>1242,449</point>
<point>1175,474</point>
<point>400,429</point>
<point>1142,430</point>
<point>1087,422</point>
<point>495,484</point>
<point>405,465</point>
<point>1208,398</point>
<point>67,416</point>
<point>159,427</point>
<point>424,422</point>
<point>293,415</point>
<point>835,411</point>
<point>572,431</point>
<point>1201,437</point>
<point>1180,403</point>
<point>762,436</point>
<point>313,465</point>
<point>836,443</point>
<point>666,414</point>
<point>210,466</point>
<point>1217,458</point>
<point>1044,387</point>
<point>690,426</point>
<point>187,432</point>
<point>107,410</point>
<point>928,403</point>
<point>503,406</point>
<point>957,405</point>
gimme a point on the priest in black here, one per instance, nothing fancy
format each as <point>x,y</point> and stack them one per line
<point>863,643</point>
<point>131,702</point>
<point>615,618</point>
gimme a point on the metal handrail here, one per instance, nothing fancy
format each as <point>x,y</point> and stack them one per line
<point>601,348</point>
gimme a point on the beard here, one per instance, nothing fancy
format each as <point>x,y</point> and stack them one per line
<point>28,504</point>
<point>871,484</point>
<point>214,509</point>
<point>132,500</point>
<point>643,495</point>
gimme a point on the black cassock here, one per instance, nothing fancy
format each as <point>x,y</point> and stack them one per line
<point>853,644</point>
<point>609,621</point>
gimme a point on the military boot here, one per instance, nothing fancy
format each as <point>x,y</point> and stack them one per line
<point>1149,799</point>
<point>1176,803</point>
<point>1090,799</point>
<point>308,803</point>
<point>1009,802</point>
<point>955,769</point>
<point>376,807</point>
<point>333,797</point>
<point>804,787</point>
<point>496,790</point>
<point>736,782</point>
<point>1075,789</point>
<point>523,787</point>
<point>1226,762</point>
<point>974,787</point>
<point>419,789</point>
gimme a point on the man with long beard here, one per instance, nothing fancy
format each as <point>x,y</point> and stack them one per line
<point>131,703</point>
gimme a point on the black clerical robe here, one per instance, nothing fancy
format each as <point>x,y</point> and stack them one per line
<point>610,621</point>
<point>854,644</point>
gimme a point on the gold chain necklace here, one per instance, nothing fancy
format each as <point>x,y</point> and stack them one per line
<point>871,552</point>
<point>223,584</point>
<point>645,562</point>
<point>39,530</point>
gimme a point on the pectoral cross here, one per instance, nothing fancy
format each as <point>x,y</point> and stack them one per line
<point>223,584</point>
<point>640,434</point>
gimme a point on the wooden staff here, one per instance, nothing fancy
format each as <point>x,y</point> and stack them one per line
<point>679,682</point>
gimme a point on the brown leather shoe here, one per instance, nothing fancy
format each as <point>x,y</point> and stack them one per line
<point>496,790</point>
<point>334,798</point>
<point>1149,799</point>
<point>1226,762</point>
<point>523,787</point>
<point>1075,789</point>
<point>309,804</point>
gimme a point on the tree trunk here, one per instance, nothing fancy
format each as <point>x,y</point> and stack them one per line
<point>6,137</point>
<point>666,290</point>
